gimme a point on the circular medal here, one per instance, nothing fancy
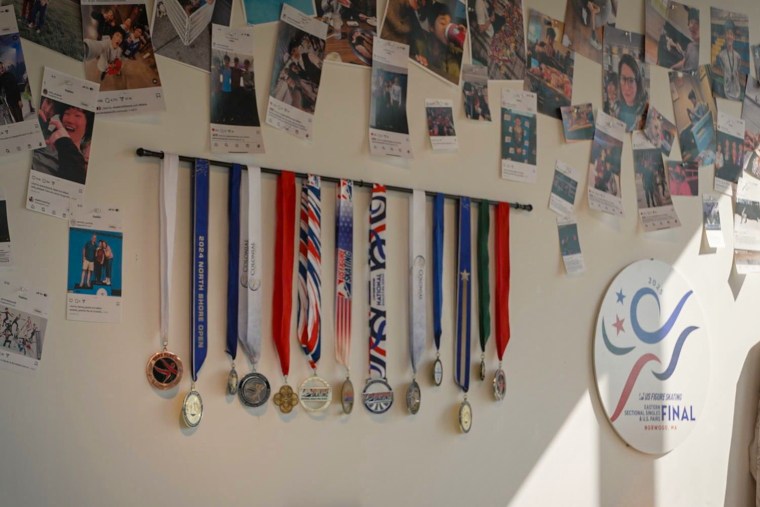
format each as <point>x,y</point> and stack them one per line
<point>314,394</point>
<point>232,382</point>
<point>437,371</point>
<point>254,390</point>
<point>347,396</point>
<point>377,396</point>
<point>499,384</point>
<point>192,409</point>
<point>465,417</point>
<point>413,397</point>
<point>285,399</point>
<point>164,370</point>
<point>482,370</point>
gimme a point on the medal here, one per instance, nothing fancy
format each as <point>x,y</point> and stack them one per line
<point>499,384</point>
<point>232,381</point>
<point>462,370</point>
<point>254,390</point>
<point>437,285</point>
<point>233,273</point>
<point>482,371</point>
<point>502,331</point>
<point>164,369</point>
<point>465,416</point>
<point>417,299</point>
<point>413,397</point>
<point>344,252</point>
<point>484,282</point>
<point>282,305</point>
<point>192,408</point>
<point>377,395</point>
<point>315,394</point>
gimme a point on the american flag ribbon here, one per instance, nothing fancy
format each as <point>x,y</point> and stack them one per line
<point>377,219</point>
<point>344,253</point>
<point>310,271</point>
<point>464,296</point>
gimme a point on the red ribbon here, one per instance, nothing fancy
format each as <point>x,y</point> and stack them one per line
<point>284,256</point>
<point>501,245</point>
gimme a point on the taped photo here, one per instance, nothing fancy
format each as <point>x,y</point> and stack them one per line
<point>672,35</point>
<point>440,123</point>
<point>497,37</point>
<point>695,115</point>
<point>56,25</point>
<point>518,135</point>
<point>352,28</point>
<point>23,326</point>
<point>655,204</point>
<point>625,79</point>
<point>578,122</point>
<point>475,92</point>
<point>729,39</point>
<point>585,21</point>
<point>604,190</point>
<point>388,124</point>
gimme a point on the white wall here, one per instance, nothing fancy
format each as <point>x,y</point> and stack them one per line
<point>87,429</point>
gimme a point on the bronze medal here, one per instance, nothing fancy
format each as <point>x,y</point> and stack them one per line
<point>164,370</point>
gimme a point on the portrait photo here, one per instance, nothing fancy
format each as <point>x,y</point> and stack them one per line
<point>388,106</point>
<point>625,78</point>
<point>729,38</point>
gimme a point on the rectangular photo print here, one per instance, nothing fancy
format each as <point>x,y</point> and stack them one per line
<point>258,12</point>
<point>570,245</point>
<point>440,123</point>
<point>655,204</point>
<point>756,59</point>
<point>550,64</point>
<point>729,152</point>
<point>388,125</point>
<point>751,117</point>
<point>435,32</point>
<point>683,178</point>
<point>578,122</point>
<point>66,115</point>
<point>747,222</point>
<point>711,221</point>
<point>604,191</point>
<point>235,125</point>
<point>672,35</point>
<point>173,37</point>
<point>296,73</point>
<point>497,37</point>
<point>660,131</point>
<point>6,256</point>
<point>118,54</point>
<point>55,25</point>
<point>695,114</point>
<point>625,78</point>
<point>585,21</point>
<point>729,39</point>
<point>518,135</point>
<point>475,92</point>
<point>23,326</point>
<point>96,252</point>
<point>352,27</point>
<point>564,189</point>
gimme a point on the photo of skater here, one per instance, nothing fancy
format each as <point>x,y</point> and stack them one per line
<point>22,333</point>
<point>672,35</point>
<point>497,37</point>
<point>729,34</point>
<point>585,21</point>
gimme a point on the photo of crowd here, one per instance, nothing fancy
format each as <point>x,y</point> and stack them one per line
<point>118,50</point>
<point>550,64</point>
<point>578,122</point>
<point>568,239</point>
<point>475,91</point>
<point>95,262</point>
<point>652,189</point>
<point>388,107</point>
<point>434,30</point>
<point>22,333</point>
<point>440,121</point>
<point>729,157</point>
<point>694,110</point>
<point>56,25</point>
<point>604,168</point>
<point>683,178</point>
<point>672,35</point>
<point>625,80</point>
<point>233,95</point>
<point>497,37</point>
<point>519,137</point>
<point>585,21</point>
<point>297,68</point>
<point>729,37</point>
<point>15,94</point>
<point>351,29</point>
<point>68,134</point>
<point>660,131</point>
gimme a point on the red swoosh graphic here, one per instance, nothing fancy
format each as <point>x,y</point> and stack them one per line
<point>631,382</point>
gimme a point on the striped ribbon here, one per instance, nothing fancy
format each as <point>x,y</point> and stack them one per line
<point>344,252</point>
<point>310,271</point>
<point>464,297</point>
<point>377,219</point>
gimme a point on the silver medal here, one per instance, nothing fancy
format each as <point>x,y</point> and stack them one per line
<point>413,397</point>
<point>377,395</point>
<point>254,390</point>
<point>315,394</point>
<point>482,370</point>
<point>499,384</point>
<point>232,381</point>
<point>192,408</point>
<point>437,371</point>
<point>465,416</point>
<point>347,396</point>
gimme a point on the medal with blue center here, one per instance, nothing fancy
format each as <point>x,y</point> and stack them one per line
<point>464,268</point>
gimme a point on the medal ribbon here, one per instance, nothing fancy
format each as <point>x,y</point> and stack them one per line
<point>250,280</point>
<point>464,296</point>
<point>437,268</point>
<point>310,271</point>
<point>233,264</point>
<point>200,264</point>
<point>484,282</point>
<point>168,224</point>
<point>418,305</point>
<point>377,219</point>
<point>501,240</point>
<point>344,252</point>
<point>284,253</point>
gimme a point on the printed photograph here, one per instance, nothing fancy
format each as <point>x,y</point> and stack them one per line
<point>564,187</point>
<point>729,157</point>
<point>434,30</point>
<point>694,110</point>
<point>268,11</point>
<point>585,21</point>
<point>440,121</point>
<point>660,131</point>
<point>475,91</point>
<point>578,122</point>
<point>729,39</point>
<point>233,94</point>
<point>5,231</point>
<point>118,50</point>
<point>569,244</point>
<point>683,178</point>
<point>497,37</point>
<point>751,117</point>
<point>519,142</point>
<point>95,262</point>
<point>652,189</point>
<point>747,217</point>
<point>388,107</point>
<point>297,68</point>
<point>672,35</point>
<point>68,134</point>
<point>352,26</point>
<point>56,25</point>
<point>711,214</point>
<point>550,64</point>
<point>604,168</point>
<point>756,60</point>
<point>15,94</point>
<point>625,79</point>
<point>22,333</point>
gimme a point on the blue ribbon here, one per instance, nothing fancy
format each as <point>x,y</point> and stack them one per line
<point>233,264</point>
<point>200,264</point>
<point>437,268</point>
<point>464,296</point>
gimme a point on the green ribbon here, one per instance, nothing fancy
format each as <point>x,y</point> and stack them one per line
<point>484,279</point>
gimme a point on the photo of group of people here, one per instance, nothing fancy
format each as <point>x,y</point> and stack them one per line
<point>22,333</point>
<point>694,110</point>
<point>652,188</point>
<point>550,64</point>
<point>660,131</point>
<point>440,121</point>
<point>497,37</point>
<point>233,95</point>
<point>625,78</point>
<point>585,21</point>
<point>475,91</point>
<point>15,94</point>
<point>388,106</point>
<point>604,190</point>
<point>570,245</point>
<point>434,30</point>
<point>55,24</point>
<point>683,178</point>
<point>351,29</point>
<point>729,149</point>
<point>729,36</point>
<point>99,265</point>
<point>578,122</point>
<point>672,35</point>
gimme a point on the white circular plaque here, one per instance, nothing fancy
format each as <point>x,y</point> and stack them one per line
<point>651,357</point>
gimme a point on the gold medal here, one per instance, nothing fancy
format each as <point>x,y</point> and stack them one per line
<point>285,399</point>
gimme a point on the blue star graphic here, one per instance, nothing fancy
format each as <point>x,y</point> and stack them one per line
<point>620,296</point>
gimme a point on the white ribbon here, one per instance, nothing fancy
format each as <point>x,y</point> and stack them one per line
<point>168,223</point>
<point>417,261</point>
<point>252,342</point>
